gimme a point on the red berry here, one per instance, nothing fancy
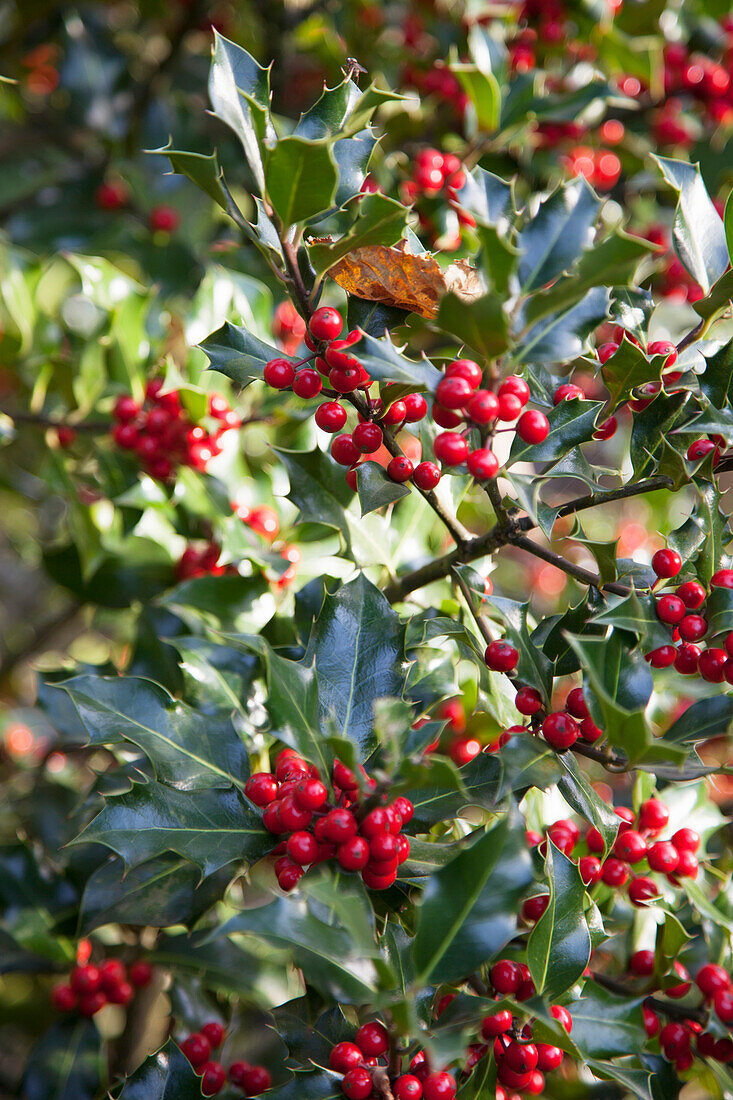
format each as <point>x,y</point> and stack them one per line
<point>722,579</point>
<point>372,1039</point>
<point>548,1057</point>
<point>453,392</point>
<point>666,563</point>
<point>663,347</point>
<point>712,978</point>
<point>686,659</point>
<point>344,451</point>
<point>710,665</point>
<point>510,407</point>
<point>261,788</point>
<point>630,846</point>
<point>345,1056</point>
<point>576,704</point>
<point>439,1086</point>
<point>483,407</point>
<point>651,1022</point>
<point>357,1084</point>
<point>528,701</point>
<point>111,195</point>
<point>614,873</point>
<point>521,1057</point>
<point>563,1016</point>
<point>483,464</point>
<point>560,731</point>
<point>345,379</point>
<point>307,383</point>
<point>404,808</point>
<point>340,825</point>
<point>213,1078</point>
<point>85,979</point>
<point>641,963</point>
<point>501,1021</point>
<point>590,872</point>
<point>90,1003</point>
<point>465,368</point>
<point>140,973</point>
<point>255,1080</point>
<point>686,868</point>
<point>426,476</point>
<point>505,976</point>
<point>353,854</point>
<point>416,407</point>
<point>533,908</point>
<point>376,821</point>
<point>533,426</point>
<point>399,468</point>
<point>214,1032</point>
<point>164,219</point>
<point>692,628</point>
<point>589,731</point>
<point>395,414</point>
<point>288,874</point>
<point>326,323</point>
<point>664,857</point>
<point>302,848</point>
<point>642,890</point>
<point>197,1049</point>
<point>700,448</point>
<point>516,386</point>
<point>291,815</point>
<point>662,657</point>
<point>330,417</point>
<point>723,1004</point>
<point>450,449</point>
<point>686,840</point>
<point>367,437</point>
<point>566,392</point>
<point>501,656</point>
<point>121,993</point>
<point>407,1087</point>
<point>670,609</point>
<point>374,880</point>
<point>63,998</point>
<point>605,351</point>
<point>674,1039</point>
<point>653,815</point>
<point>606,429</point>
<point>111,973</point>
<point>279,373</point>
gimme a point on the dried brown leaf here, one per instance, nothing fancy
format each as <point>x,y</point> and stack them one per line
<point>396,277</point>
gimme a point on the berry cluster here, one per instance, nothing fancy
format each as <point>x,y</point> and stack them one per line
<point>521,1062</point>
<point>296,802</point>
<point>200,562</point>
<point>161,434</point>
<point>637,843</point>
<point>198,1047</point>
<point>601,167</point>
<point>92,987</point>
<point>701,80</point>
<point>363,1062</point>
<point>682,610</point>
<point>677,1036</point>
<point>436,180</point>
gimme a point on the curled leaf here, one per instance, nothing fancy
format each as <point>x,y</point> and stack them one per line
<point>396,277</point>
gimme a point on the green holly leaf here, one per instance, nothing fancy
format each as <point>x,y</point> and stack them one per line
<point>238,354</point>
<point>239,90</point>
<point>165,1075</point>
<point>607,1026</point>
<point>211,829</point>
<point>559,945</point>
<point>627,368</point>
<point>188,750</point>
<point>527,490</point>
<point>482,89</point>
<point>557,234</point>
<point>301,178</point>
<point>358,646</point>
<point>167,890</point>
<point>486,196</point>
<point>636,614</point>
<point>699,234</point>
<point>469,908</point>
<point>66,1063</point>
<point>719,611</point>
<point>227,602</point>
<point>374,318</point>
<point>610,261</point>
<point>631,308</point>
<point>376,489</point>
<point>526,762</point>
<point>564,335</point>
<point>571,422</point>
<point>202,170</point>
<point>718,300</point>
<point>482,323</point>
<point>385,363</point>
<point>714,525</point>
<point>702,720</point>
<point>476,784</point>
<point>578,793</point>
<point>309,1086</point>
<point>379,220</point>
<point>717,381</point>
<point>318,488</point>
<point>217,677</point>
<point>335,957</point>
<point>533,667</point>
<point>498,258</point>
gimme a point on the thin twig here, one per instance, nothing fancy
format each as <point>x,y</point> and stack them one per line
<point>40,421</point>
<point>585,576</point>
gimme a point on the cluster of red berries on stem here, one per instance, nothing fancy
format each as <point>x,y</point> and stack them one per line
<point>91,987</point>
<point>521,1061</point>
<point>365,1058</point>
<point>265,522</point>
<point>637,844</point>
<point>683,611</point>
<point>295,801</point>
<point>436,180</point>
<point>198,1047</point>
<point>163,436</point>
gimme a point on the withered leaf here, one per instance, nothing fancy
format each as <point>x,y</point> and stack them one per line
<point>398,278</point>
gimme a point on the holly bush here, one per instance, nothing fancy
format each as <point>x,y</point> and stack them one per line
<point>366,561</point>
